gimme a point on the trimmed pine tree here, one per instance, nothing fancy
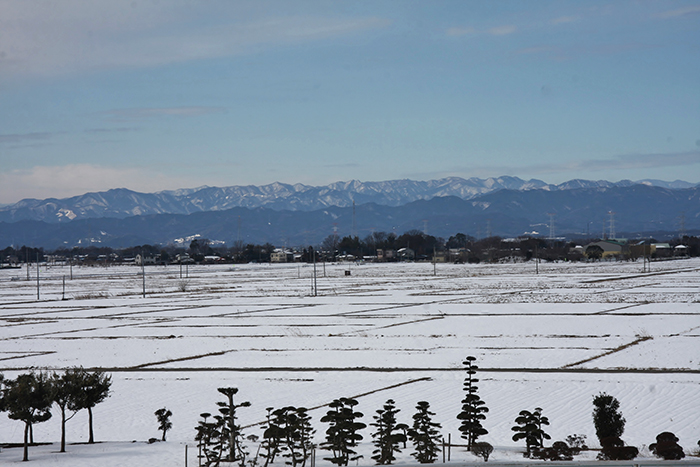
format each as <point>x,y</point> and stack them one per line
<point>473,408</point>
<point>424,434</point>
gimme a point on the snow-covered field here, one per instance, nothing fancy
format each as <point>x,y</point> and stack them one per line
<point>401,331</point>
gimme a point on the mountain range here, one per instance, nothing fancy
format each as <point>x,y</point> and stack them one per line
<point>121,203</point>
<point>302,215</point>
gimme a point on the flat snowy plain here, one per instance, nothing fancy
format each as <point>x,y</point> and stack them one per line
<point>387,331</point>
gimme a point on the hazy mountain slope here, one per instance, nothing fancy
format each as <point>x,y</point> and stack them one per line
<point>121,203</point>
<point>507,213</point>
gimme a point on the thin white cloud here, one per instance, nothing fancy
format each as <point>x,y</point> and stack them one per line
<point>111,130</point>
<point>495,31</point>
<point>71,180</point>
<point>122,115</point>
<point>621,162</point>
<point>50,37</point>
<point>691,10</point>
<point>502,30</point>
<point>456,32</point>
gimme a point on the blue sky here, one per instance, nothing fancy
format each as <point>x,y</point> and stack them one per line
<point>153,94</point>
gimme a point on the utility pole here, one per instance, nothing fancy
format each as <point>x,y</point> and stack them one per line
<point>314,285</point>
<point>143,273</point>
<point>37,275</point>
<point>434,263</point>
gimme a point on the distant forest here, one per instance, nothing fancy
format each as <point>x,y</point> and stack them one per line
<point>378,246</point>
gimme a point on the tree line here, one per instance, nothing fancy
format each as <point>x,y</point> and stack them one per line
<point>464,248</point>
<point>30,396</point>
<point>289,435</point>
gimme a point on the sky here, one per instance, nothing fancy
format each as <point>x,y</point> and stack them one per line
<point>156,95</point>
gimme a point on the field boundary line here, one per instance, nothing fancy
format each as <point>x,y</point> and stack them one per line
<point>373,391</point>
<point>637,276</point>
<point>610,352</point>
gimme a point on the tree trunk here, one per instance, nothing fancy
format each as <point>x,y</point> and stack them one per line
<point>63,429</point>
<point>91,440</point>
<point>26,441</point>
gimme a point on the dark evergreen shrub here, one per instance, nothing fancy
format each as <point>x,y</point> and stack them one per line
<point>482,449</point>
<point>667,447</point>
<point>607,419</point>
<point>560,451</point>
<point>614,449</point>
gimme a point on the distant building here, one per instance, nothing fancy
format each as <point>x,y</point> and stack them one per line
<point>213,259</point>
<point>184,258</point>
<point>386,255</point>
<point>680,250</point>
<point>661,250</point>
<point>605,249</point>
<point>281,256</point>
<point>406,254</point>
<point>143,260</point>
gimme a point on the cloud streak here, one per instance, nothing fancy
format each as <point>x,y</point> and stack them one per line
<point>71,180</point>
<point>502,30</point>
<point>494,31</point>
<point>123,115</point>
<point>70,36</point>
<point>22,137</point>
<point>621,162</point>
<point>687,11</point>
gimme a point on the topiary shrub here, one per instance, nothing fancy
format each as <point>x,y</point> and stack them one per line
<point>666,447</point>
<point>614,449</point>
<point>560,451</point>
<point>577,443</point>
<point>483,450</point>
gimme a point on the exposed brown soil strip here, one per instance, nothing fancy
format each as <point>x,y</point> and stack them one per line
<point>615,350</point>
<point>637,276</point>
<point>357,396</point>
<point>184,359</point>
<point>27,354</point>
<point>392,325</point>
<point>618,308</point>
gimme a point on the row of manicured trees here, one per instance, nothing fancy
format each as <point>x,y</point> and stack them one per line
<point>289,431</point>
<point>29,398</point>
